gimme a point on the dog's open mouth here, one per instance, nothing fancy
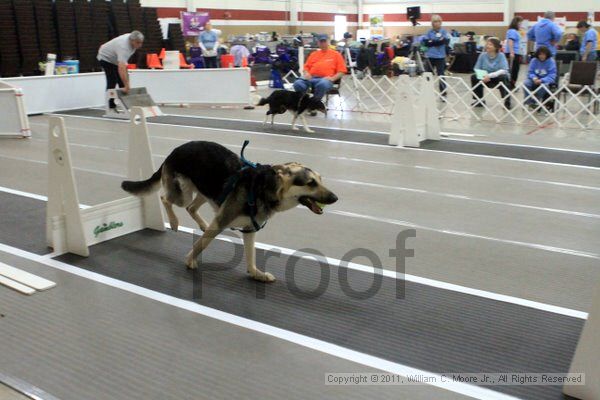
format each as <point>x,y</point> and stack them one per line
<point>311,204</point>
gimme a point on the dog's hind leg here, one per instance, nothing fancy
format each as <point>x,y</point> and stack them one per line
<point>266,118</point>
<point>192,209</point>
<point>172,195</point>
<point>250,253</point>
<point>272,119</point>
<point>306,127</point>
<point>173,221</point>
<point>294,118</point>
<point>220,222</point>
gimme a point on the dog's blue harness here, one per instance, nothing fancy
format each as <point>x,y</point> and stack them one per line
<point>251,200</point>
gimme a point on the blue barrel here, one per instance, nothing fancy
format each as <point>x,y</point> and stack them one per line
<point>72,66</point>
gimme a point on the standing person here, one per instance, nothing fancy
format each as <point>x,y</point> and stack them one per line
<point>113,56</point>
<point>494,63</point>
<point>589,41</point>
<point>436,40</point>
<point>513,49</point>
<point>209,42</point>
<point>545,33</point>
<point>542,71</point>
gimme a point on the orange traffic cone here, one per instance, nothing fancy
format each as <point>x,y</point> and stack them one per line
<point>183,64</point>
<point>153,61</point>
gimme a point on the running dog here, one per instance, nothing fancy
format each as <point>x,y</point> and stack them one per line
<point>243,195</point>
<point>281,101</point>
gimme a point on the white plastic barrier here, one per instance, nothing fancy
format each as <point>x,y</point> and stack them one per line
<point>13,119</point>
<point>415,115</point>
<point>72,229</point>
<point>61,92</point>
<point>218,86</point>
<point>587,355</point>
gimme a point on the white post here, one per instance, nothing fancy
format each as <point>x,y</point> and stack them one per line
<point>432,122</point>
<point>62,195</point>
<point>403,119</point>
<point>587,355</point>
<point>141,167</point>
<point>301,60</point>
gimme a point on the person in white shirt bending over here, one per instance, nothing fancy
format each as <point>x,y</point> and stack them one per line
<point>114,55</point>
<point>495,65</point>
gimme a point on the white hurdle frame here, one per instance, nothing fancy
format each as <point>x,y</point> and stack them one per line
<point>415,116</point>
<point>14,123</point>
<point>72,229</point>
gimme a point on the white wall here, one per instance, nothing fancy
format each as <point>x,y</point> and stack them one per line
<point>556,5</point>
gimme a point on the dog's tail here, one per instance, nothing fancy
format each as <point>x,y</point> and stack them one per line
<point>141,188</point>
<point>262,101</point>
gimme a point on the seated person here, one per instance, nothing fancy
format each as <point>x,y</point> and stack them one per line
<point>572,42</point>
<point>542,72</point>
<point>494,62</point>
<point>321,70</point>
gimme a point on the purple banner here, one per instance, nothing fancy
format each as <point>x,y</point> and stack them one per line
<point>192,23</point>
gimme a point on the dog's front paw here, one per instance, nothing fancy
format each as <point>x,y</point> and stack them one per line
<point>262,276</point>
<point>191,263</point>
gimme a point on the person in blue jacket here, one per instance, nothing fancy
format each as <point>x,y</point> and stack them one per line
<point>436,40</point>
<point>542,73</point>
<point>589,43</point>
<point>494,63</point>
<point>545,33</point>
<point>512,48</point>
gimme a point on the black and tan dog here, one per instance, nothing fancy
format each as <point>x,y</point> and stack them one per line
<point>281,101</point>
<point>243,195</point>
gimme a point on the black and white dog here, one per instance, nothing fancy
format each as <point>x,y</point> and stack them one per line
<point>281,101</point>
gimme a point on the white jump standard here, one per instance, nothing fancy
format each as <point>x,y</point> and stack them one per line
<point>69,228</point>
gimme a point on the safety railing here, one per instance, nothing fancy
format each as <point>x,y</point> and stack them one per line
<point>563,106</point>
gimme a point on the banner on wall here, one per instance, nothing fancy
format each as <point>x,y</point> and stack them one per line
<point>192,23</point>
<point>376,25</point>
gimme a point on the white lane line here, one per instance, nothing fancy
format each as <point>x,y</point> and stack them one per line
<point>358,183</point>
<point>345,141</point>
<point>388,273</point>
<point>536,246</point>
<point>361,160</point>
<point>391,221</point>
<point>93,171</point>
<point>468,198</point>
<point>369,269</point>
<point>477,392</point>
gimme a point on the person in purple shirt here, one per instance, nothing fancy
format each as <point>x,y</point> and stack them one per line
<point>545,33</point>
<point>541,74</point>
<point>512,48</point>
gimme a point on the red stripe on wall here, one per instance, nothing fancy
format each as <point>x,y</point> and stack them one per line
<point>215,13</point>
<point>571,16</point>
<point>329,17</point>
<point>450,17</point>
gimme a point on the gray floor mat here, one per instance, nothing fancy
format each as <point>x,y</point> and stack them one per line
<point>23,222</point>
<point>430,329</point>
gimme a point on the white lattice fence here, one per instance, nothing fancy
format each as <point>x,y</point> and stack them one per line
<point>563,107</point>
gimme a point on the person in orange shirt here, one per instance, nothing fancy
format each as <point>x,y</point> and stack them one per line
<point>322,68</point>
